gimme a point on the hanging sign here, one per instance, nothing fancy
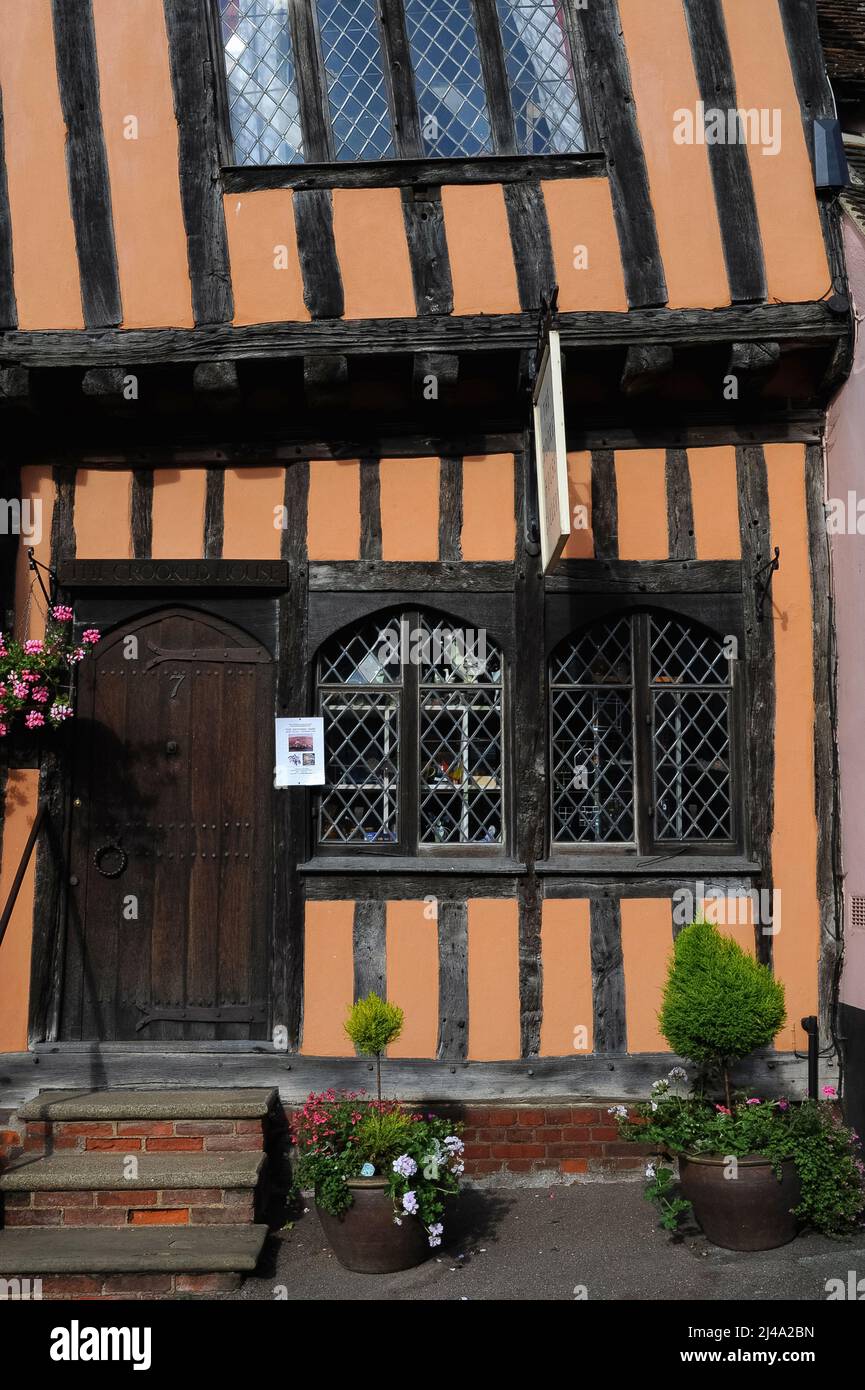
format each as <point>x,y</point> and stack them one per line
<point>299,753</point>
<point>551,459</point>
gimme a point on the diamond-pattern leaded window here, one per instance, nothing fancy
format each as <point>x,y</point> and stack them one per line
<point>350,46</point>
<point>413,723</point>
<point>642,700</point>
<point>262,83</point>
<point>541,71</point>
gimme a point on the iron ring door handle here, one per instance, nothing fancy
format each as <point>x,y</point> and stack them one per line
<point>110,848</point>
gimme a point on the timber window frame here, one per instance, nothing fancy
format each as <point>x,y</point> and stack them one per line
<point>501,82</point>
<point>417,756</point>
<point>644,715</point>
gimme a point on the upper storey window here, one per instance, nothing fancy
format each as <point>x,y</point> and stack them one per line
<point>349,80</point>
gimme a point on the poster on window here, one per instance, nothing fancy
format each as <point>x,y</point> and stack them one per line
<point>299,753</point>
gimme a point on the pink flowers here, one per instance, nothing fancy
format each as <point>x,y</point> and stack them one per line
<point>830,1093</point>
<point>34,720</point>
<point>61,613</point>
<point>91,635</point>
<point>755,1100</point>
<point>722,1110</point>
<point>33,646</point>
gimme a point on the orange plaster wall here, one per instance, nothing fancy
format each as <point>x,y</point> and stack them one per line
<point>489,526</point>
<point>265,267</point>
<point>410,509</point>
<point>252,499</point>
<point>46,265</point>
<point>580,214</point>
<point>733,917</point>
<point>796,265</point>
<point>413,975</point>
<point>493,979</point>
<point>715,501</point>
<point>328,978</point>
<point>663,77</point>
<point>580,545</point>
<point>566,966</point>
<point>481,255</point>
<point>37,485</point>
<point>796,945</point>
<point>333,509</point>
<point>19,811</point>
<point>135,80</point>
<point>641,486</point>
<point>372,251</point>
<point>647,944</point>
<point>103,501</point>
<point>178,513</point>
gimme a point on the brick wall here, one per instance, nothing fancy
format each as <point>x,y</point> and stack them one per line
<point>144,1136</point>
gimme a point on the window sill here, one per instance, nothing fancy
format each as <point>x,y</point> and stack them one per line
<point>423,173</point>
<point>396,864</point>
<point>648,866</point>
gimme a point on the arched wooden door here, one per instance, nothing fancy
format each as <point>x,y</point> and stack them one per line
<point>170,856</point>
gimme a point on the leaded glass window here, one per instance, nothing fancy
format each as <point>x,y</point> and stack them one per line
<point>447,71</point>
<point>642,700</point>
<point>542,79</point>
<point>262,83</point>
<point>354,71</point>
<point>413,711</point>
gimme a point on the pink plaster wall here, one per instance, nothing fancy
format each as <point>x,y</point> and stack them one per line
<point>846,474</point>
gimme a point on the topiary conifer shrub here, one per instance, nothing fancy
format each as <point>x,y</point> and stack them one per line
<point>719,1003</point>
<point>372,1025</point>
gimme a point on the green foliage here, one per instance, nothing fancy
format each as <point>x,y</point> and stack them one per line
<point>659,1188</point>
<point>382,1134</point>
<point>373,1024</point>
<point>719,1003</point>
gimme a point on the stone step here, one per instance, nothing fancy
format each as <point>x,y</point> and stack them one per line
<point>216,1104</point>
<point>97,1170</point>
<point>130,1262</point>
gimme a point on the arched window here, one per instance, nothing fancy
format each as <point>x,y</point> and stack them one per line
<point>413,719</point>
<point>641,726</point>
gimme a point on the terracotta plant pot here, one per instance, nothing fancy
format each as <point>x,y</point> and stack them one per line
<point>752,1211</point>
<point>367,1239</point>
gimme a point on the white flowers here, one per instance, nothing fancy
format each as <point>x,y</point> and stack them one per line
<point>405,1166</point>
<point>650,1170</point>
<point>435,1233</point>
<point>620,1111</point>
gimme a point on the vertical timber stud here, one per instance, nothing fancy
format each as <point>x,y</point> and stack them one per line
<point>605,505</point>
<point>87,162</point>
<point>753,489</point>
<point>290,804</point>
<point>316,246</point>
<point>616,116</point>
<point>451,509</point>
<point>195,109</point>
<point>8,306</point>
<point>370,509</point>
<point>530,725</point>
<point>142,513</point>
<point>826,784</point>
<point>51,873</point>
<point>429,257</point>
<point>398,73</point>
<point>453,937</point>
<point>368,940</point>
<point>312,97</point>
<point>608,976</point>
<point>214,513</point>
<point>530,240</point>
<point>728,162</point>
<point>680,507</point>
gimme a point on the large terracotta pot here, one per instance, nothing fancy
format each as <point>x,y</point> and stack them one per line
<point>366,1237</point>
<point>752,1211</point>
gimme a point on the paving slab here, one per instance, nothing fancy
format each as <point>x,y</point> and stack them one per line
<point>599,1241</point>
<point>216,1104</point>
<point>143,1250</point>
<point>96,1170</point>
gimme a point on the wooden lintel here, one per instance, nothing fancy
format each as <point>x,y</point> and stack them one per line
<point>645,365</point>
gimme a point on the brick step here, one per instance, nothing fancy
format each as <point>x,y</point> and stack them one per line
<point>129,1263</point>
<point>216,1104</point>
<point>95,1188</point>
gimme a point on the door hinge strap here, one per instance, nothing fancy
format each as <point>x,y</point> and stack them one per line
<point>223,655</point>
<point>228,1013</point>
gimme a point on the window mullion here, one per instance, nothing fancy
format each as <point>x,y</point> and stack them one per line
<point>311,90</point>
<point>410,744</point>
<point>398,70</point>
<point>495,74</point>
<point>644,779</point>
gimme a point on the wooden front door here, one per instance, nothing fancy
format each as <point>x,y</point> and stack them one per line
<point>170,855</point>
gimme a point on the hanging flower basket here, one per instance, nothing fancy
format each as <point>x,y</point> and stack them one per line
<point>37,675</point>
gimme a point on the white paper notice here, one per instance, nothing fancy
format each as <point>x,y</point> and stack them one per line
<point>299,753</point>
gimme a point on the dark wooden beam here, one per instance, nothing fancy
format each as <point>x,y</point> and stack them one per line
<point>680,508</point>
<point>316,244</point>
<point>399,75</point>
<point>142,513</point>
<point>214,514</point>
<point>452,920</point>
<point>495,76</point>
<point>8,306</point>
<point>645,366</point>
<point>14,385</point>
<point>752,364</point>
<point>615,111</point>
<point>608,977</point>
<point>369,949</point>
<point>104,384</point>
<point>87,162</point>
<point>428,250</point>
<point>195,109</point>
<point>605,505</point>
<point>530,240</point>
<point>421,172</point>
<point>592,331</point>
<point>433,370</point>
<point>611,576</point>
<point>410,576</point>
<point>450,509</point>
<point>728,162</point>
<point>325,377</point>
<point>216,382</point>
<point>314,112</point>
<point>370,510</point>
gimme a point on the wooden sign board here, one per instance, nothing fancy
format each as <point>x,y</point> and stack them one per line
<point>551,460</point>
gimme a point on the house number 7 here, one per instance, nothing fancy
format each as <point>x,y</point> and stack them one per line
<point>178,681</point>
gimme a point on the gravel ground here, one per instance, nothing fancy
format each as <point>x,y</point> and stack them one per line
<point>546,1244</point>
